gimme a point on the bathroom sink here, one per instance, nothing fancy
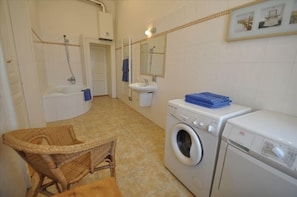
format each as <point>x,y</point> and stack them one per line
<point>142,87</point>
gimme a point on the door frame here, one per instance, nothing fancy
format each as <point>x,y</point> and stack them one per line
<point>87,70</point>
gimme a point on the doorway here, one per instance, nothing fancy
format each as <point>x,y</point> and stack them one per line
<point>99,72</point>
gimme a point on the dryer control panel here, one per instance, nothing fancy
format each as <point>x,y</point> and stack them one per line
<point>273,153</point>
<point>279,153</point>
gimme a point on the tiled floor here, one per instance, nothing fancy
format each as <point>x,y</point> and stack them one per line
<point>140,169</point>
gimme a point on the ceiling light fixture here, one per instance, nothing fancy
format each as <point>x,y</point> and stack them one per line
<point>150,31</point>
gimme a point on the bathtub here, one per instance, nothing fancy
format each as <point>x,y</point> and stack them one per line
<point>64,102</point>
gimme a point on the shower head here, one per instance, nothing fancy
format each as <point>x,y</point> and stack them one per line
<point>151,49</point>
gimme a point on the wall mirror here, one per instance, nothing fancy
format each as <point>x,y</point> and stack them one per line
<point>152,56</point>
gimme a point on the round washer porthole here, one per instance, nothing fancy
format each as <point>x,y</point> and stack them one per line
<point>186,144</point>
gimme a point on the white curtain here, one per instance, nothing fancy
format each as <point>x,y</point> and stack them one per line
<point>12,168</point>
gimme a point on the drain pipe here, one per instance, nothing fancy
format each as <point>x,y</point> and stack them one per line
<point>99,3</point>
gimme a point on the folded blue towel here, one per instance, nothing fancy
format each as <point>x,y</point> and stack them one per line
<point>208,105</point>
<point>87,94</point>
<point>125,70</point>
<point>207,99</point>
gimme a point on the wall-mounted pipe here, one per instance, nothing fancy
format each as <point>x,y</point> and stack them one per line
<point>72,79</point>
<point>98,3</point>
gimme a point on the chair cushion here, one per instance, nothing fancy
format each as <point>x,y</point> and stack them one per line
<point>103,188</point>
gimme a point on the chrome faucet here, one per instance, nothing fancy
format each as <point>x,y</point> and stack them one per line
<point>154,78</point>
<point>146,82</point>
<point>72,80</point>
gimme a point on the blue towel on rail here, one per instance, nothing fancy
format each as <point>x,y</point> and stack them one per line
<point>207,99</point>
<point>87,94</point>
<point>125,70</point>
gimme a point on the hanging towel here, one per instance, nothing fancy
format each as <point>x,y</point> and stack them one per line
<point>87,94</point>
<point>125,70</point>
<point>207,99</point>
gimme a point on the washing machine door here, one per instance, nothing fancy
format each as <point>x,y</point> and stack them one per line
<point>186,144</point>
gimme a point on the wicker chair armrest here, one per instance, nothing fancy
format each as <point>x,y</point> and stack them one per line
<point>86,145</point>
<point>53,149</point>
<point>58,135</point>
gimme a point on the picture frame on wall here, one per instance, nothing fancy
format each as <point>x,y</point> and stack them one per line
<point>263,19</point>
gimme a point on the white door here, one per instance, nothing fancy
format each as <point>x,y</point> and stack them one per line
<point>98,67</point>
<point>13,114</point>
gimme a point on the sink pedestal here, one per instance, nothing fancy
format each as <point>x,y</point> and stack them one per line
<point>145,99</point>
<point>145,92</point>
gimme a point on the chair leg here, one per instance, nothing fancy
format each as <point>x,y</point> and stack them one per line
<point>58,187</point>
<point>41,179</point>
<point>112,172</point>
<point>112,168</point>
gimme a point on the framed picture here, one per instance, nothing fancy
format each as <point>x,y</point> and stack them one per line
<point>263,19</point>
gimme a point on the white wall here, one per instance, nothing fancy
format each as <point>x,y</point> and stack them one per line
<point>260,73</point>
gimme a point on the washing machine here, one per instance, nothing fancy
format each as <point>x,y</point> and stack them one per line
<point>258,156</point>
<point>192,140</point>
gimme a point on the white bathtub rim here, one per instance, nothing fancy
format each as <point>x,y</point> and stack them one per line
<point>64,90</point>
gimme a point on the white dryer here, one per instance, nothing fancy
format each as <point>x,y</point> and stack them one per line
<point>192,140</point>
<point>258,156</point>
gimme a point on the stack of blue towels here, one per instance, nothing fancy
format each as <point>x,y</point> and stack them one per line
<point>208,99</point>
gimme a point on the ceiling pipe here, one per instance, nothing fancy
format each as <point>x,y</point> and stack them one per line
<point>99,3</point>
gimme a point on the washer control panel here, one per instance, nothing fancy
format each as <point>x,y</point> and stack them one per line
<point>205,124</point>
<point>171,109</point>
<point>180,114</point>
<point>194,119</point>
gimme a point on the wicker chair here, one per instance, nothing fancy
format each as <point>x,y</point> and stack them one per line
<point>55,153</point>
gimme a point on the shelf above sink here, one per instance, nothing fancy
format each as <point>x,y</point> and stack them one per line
<point>142,87</point>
